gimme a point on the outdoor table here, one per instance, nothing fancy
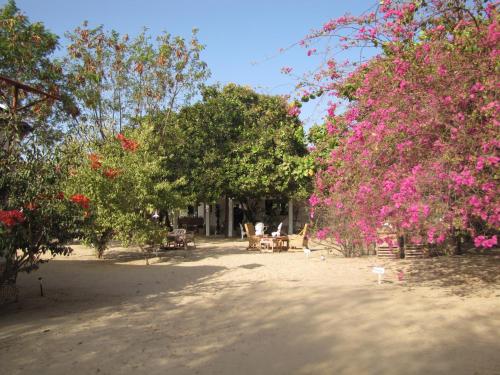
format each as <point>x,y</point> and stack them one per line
<point>278,243</point>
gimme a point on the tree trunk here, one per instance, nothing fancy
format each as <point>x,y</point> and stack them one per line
<point>458,244</point>
<point>102,242</point>
<point>8,276</point>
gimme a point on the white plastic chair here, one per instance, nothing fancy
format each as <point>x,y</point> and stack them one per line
<point>259,229</point>
<point>243,233</point>
<point>278,231</point>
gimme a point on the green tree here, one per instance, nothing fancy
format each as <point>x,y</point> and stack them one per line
<point>240,144</point>
<point>125,86</point>
<point>117,81</point>
<point>34,218</point>
<point>122,179</point>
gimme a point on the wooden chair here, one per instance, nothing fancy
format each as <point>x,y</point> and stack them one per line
<point>190,238</point>
<point>299,241</point>
<point>253,239</point>
<point>177,238</point>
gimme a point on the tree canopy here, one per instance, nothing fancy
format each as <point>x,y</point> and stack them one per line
<point>35,217</point>
<point>238,143</point>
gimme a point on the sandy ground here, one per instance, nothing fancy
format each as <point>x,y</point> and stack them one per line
<point>222,310</point>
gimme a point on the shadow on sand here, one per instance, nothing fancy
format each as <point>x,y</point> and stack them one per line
<point>462,275</point>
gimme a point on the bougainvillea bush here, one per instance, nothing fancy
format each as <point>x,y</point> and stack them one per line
<point>418,143</point>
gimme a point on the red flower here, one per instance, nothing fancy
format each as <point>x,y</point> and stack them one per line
<point>127,144</point>
<point>95,161</point>
<point>60,195</point>
<point>111,173</point>
<point>81,200</point>
<point>31,206</point>
<point>11,218</point>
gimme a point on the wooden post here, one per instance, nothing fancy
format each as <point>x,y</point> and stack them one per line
<point>230,219</point>
<point>290,217</point>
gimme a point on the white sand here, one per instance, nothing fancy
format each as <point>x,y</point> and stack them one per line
<point>221,310</point>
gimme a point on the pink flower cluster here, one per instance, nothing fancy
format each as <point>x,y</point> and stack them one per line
<point>482,241</point>
<point>418,146</point>
<point>293,110</point>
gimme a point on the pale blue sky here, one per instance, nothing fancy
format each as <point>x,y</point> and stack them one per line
<point>242,38</point>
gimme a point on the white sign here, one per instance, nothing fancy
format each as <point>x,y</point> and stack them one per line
<point>379,271</point>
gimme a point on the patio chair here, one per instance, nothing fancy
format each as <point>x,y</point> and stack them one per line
<point>278,231</point>
<point>259,229</point>
<point>299,241</point>
<point>177,238</point>
<point>243,233</point>
<point>190,239</point>
<point>253,239</point>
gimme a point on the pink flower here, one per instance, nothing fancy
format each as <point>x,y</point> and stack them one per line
<point>482,241</point>
<point>385,211</point>
<point>314,200</point>
<point>352,114</point>
<point>480,163</point>
<point>388,185</point>
<point>430,235</point>
<point>477,87</point>
<point>293,110</point>
<point>331,110</point>
<point>329,26</point>
<point>493,35</point>
<point>322,233</point>
<point>330,128</point>
<point>403,84</point>
<point>401,66</point>
<point>441,238</point>
<point>464,178</point>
